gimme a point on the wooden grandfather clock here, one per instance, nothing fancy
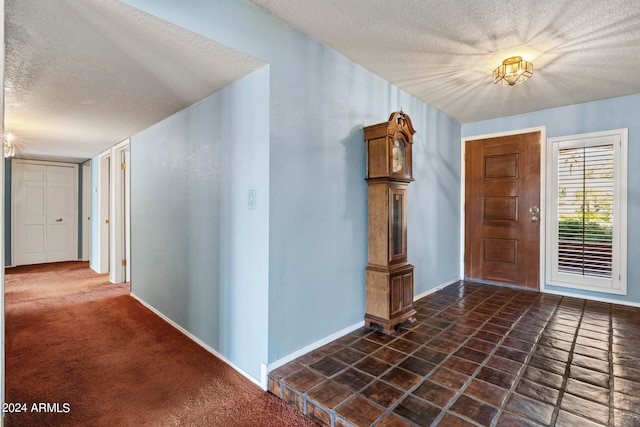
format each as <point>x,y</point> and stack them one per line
<point>389,277</point>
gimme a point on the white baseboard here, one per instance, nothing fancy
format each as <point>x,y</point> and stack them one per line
<point>201,343</point>
<point>265,369</point>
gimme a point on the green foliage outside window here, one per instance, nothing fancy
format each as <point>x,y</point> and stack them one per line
<point>577,230</point>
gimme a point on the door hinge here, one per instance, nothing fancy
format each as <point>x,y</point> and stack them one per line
<point>123,165</point>
<point>106,221</point>
<point>124,262</point>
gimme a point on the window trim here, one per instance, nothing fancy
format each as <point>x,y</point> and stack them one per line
<point>618,282</point>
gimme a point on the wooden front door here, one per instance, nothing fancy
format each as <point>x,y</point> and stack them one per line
<point>502,209</point>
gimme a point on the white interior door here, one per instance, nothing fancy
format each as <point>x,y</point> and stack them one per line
<point>45,212</point>
<point>104,208</point>
<point>127,216</point>
<point>119,262</point>
<point>30,216</point>
<point>61,214</point>
<point>86,211</point>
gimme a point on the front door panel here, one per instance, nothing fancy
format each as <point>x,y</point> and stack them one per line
<point>502,219</point>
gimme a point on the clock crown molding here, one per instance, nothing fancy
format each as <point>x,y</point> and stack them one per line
<point>400,121</point>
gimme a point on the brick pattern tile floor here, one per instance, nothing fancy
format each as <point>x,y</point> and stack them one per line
<point>478,355</point>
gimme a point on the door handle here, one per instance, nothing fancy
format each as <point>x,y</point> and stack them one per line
<point>59,220</point>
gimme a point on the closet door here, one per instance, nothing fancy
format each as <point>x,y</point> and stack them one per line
<point>45,210</point>
<point>30,218</point>
<point>61,213</point>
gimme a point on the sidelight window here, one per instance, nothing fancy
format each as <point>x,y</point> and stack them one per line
<point>587,211</point>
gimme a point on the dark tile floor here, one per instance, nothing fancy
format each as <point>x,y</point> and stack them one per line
<point>478,355</point>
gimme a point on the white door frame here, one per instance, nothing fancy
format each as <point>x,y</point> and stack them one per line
<point>104,194</point>
<point>86,210</point>
<point>127,214</point>
<point>14,192</point>
<point>543,157</point>
<point>119,215</point>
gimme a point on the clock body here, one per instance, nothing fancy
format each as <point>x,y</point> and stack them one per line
<point>389,276</point>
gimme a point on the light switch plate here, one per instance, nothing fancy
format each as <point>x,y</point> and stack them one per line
<point>252,199</point>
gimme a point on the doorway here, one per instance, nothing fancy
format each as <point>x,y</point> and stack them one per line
<point>45,206</point>
<point>86,211</point>
<point>503,222</point>
<point>119,266</point>
<point>104,208</point>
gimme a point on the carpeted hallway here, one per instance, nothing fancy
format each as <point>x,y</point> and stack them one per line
<point>86,353</point>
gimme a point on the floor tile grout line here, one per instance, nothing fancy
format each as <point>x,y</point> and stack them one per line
<point>376,378</point>
<point>492,353</point>
<point>352,365</point>
<point>611,371</point>
<point>567,370</point>
<point>546,317</point>
<point>525,363</point>
<point>409,392</point>
<point>406,393</point>
<point>481,365</point>
<point>453,399</point>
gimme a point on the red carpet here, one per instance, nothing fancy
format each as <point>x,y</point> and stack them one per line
<point>86,353</point>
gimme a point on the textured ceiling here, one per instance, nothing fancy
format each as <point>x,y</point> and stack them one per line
<point>443,52</point>
<point>81,76</point>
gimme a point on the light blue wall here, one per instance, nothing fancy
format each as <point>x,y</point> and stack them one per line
<point>318,221</point>
<point>199,254</point>
<point>317,196</point>
<point>615,113</point>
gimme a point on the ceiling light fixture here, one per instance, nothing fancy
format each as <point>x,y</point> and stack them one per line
<point>9,148</point>
<point>514,70</point>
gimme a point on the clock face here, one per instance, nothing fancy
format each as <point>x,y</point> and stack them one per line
<point>398,156</point>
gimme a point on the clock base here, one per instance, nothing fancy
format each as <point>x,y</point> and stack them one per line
<point>389,295</point>
<point>388,326</point>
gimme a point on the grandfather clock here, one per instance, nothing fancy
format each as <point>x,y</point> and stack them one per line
<point>389,277</point>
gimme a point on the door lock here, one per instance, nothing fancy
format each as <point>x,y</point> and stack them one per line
<point>534,210</point>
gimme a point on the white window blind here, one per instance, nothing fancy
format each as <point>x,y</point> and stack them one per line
<point>585,210</point>
<point>586,232</point>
